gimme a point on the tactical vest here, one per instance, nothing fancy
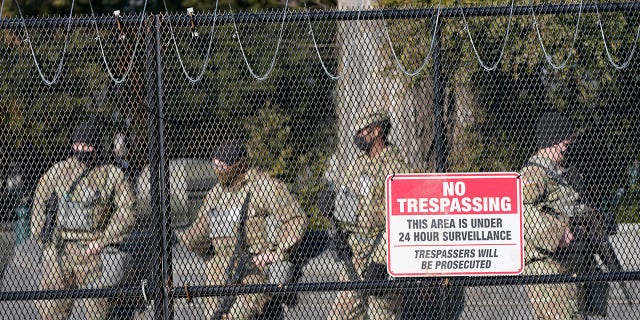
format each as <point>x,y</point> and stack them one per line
<point>359,202</point>
<point>262,229</point>
<point>78,214</point>
<point>78,206</point>
<point>224,217</point>
<point>346,206</point>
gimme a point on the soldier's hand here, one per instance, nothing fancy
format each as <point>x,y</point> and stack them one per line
<point>566,239</point>
<point>263,259</point>
<point>93,248</point>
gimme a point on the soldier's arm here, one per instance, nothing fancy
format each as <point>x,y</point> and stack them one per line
<point>38,211</point>
<point>541,229</point>
<point>124,215</point>
<point>292,222</point>
<point>196,236</point>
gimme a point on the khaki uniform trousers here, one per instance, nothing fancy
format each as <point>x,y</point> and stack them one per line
<point>561,300</point>
<point>7,243</point>
<point>71,270</point>
<point>349,304</point>
<point>247,306</point>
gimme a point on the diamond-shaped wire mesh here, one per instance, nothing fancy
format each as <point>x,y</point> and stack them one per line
<point>232,165</point>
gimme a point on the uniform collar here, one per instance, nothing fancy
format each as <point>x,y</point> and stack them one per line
<point>238,183</point>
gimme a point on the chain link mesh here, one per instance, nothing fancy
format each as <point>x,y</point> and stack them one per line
<point>158,178</point>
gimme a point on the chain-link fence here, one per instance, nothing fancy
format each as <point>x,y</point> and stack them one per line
<point>232,165</point>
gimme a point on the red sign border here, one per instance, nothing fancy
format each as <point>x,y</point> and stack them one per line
<point>440,176</point>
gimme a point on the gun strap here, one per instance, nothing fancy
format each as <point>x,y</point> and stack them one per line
<point>352,273</point>
<point>76,182</point>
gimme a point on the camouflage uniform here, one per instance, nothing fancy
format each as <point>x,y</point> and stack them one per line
<point>274,222</point>
<point>66,264</point>
<point>549,204</point>
<point>366,180</point>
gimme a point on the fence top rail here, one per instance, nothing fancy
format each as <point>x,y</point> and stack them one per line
<point>319,16</point>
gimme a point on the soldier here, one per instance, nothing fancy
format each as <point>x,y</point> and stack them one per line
<point>248,207</point>
<point>81,212</point>
<point>552,205</point>
<point>360,209</point>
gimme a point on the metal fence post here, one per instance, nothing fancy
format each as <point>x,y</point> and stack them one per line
<point>163,176</point>
<point>156,281</point>
<point>162,282</point>
<point>439,130</point>
<point>438,98</point>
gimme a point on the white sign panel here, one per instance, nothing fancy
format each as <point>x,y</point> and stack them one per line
<point>457,224</point>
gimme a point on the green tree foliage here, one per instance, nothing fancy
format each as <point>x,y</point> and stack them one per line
<point>505,102</point>
<point>36,120</point>
<point>287,120</point>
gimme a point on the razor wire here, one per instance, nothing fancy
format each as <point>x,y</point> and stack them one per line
<point>347,59</point>
<point>426,58</point>
<point>275,54</point>
<point>548,57</point>
<point>135,48</point>
<point>626,62</point>
<point>504,42</point>
<point>58,72</point>
<point>205,64</point>
<point>198,77</point>
<point>477,121</point>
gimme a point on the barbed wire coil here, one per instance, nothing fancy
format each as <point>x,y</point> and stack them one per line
<point>205,64</point>
<point>426,58</point>
<point>58,72</point>
<point>275,54</point>
<point>626,62</point>
<point>504,41</point>
<point>135,48</point>
<point>547,56</point>
<point>347,59</point>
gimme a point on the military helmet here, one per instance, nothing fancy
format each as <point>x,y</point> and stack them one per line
<point>553,128</point>
<point>230,151</point>
<point>371,119</point>
<point>87,132</point>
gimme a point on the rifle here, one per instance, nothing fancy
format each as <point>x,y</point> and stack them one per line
<point>326,204</point>
<point>235,269</point>
<point>590,231</point>
<point>592,236</point>
<point>51,211</point>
